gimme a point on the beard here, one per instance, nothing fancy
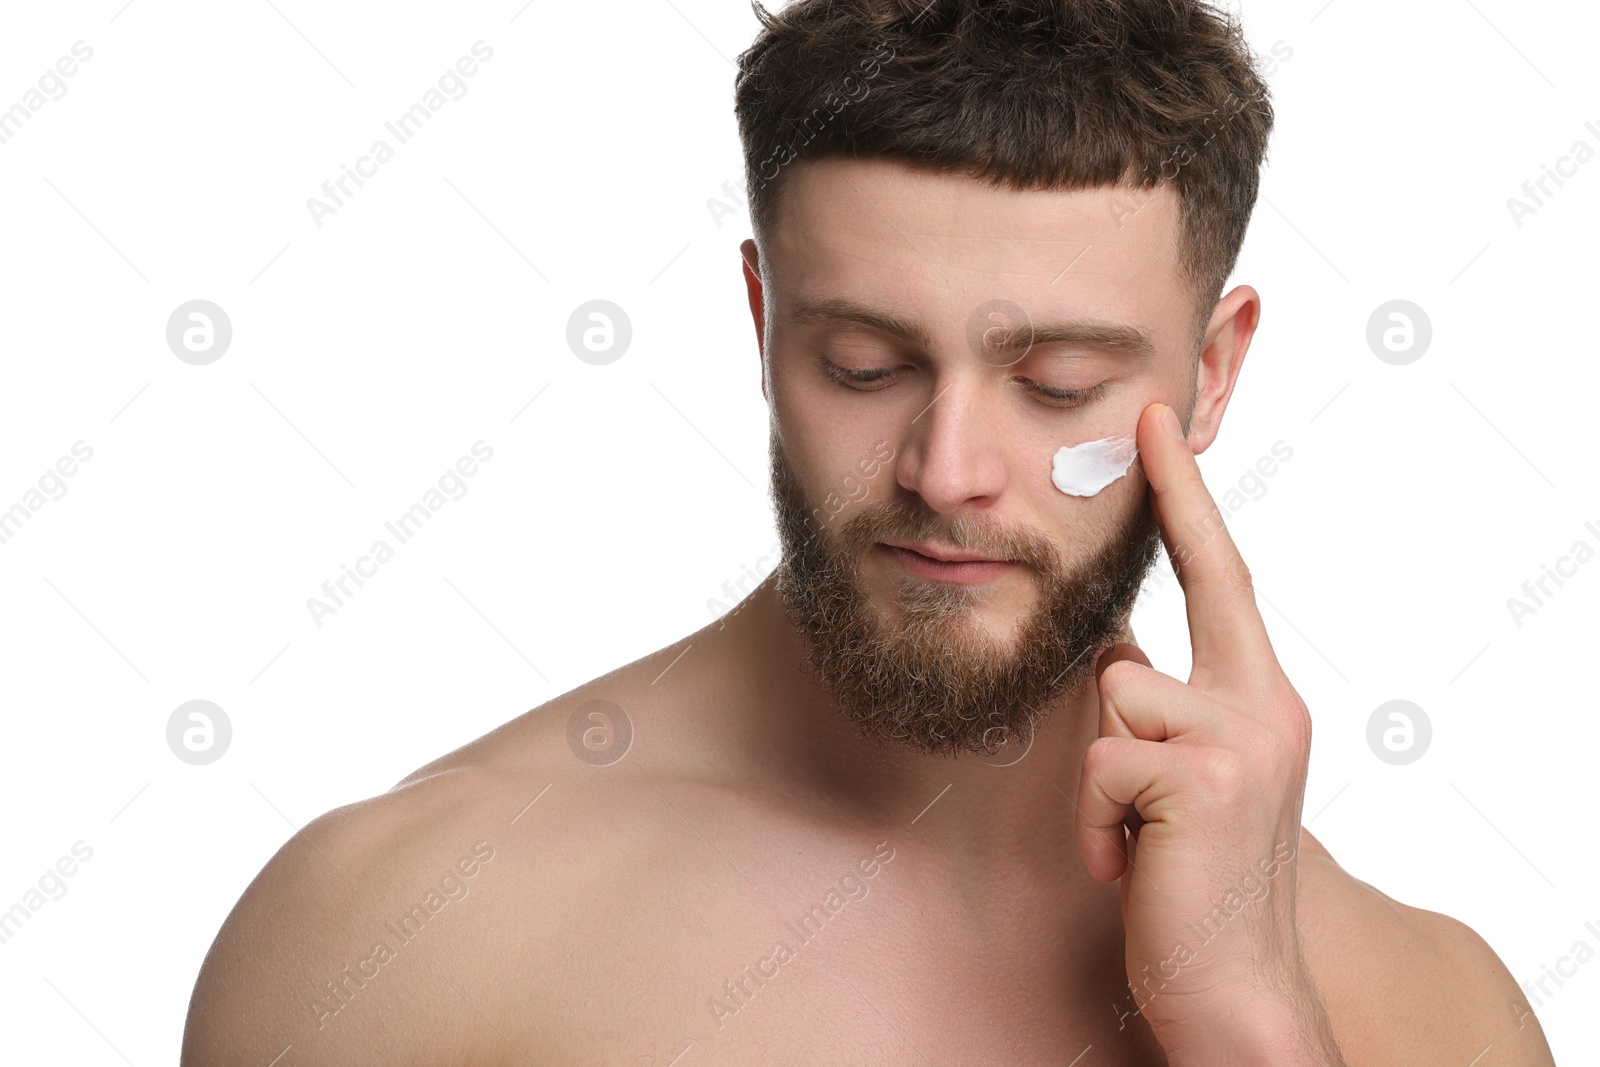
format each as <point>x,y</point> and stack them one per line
<point>930,676</point>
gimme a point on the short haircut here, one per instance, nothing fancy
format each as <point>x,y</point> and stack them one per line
<point>1030,94</point>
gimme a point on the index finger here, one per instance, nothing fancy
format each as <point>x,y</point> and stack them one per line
<point>1225,627</point>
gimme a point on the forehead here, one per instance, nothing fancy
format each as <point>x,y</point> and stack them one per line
<point>937,245</point>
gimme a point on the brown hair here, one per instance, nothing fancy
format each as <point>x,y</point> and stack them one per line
<point>1059,94</point>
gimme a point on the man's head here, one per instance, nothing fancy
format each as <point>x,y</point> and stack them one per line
<point>985,231</point>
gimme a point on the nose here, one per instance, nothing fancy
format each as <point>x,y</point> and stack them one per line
<point>951,458</point>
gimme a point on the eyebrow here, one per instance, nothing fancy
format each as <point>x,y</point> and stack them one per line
<point>1100,333</point>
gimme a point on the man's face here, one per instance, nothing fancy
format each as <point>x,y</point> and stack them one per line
<point>902,427</point>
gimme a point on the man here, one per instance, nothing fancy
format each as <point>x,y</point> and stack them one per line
<point>919,799</point>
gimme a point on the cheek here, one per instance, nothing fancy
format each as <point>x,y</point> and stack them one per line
<point>817,416</point>
<point>1084,469</point>
<point>1079,454</point>
<point>838,470</point>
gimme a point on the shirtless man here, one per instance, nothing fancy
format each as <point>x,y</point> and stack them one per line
<point>919,799</point>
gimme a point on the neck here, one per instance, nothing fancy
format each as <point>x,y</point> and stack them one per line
<point>1004,807</point>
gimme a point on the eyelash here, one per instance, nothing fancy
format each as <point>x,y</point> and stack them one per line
<point>1058,398</point>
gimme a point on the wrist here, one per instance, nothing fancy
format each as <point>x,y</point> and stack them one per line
<point>1256,1033</point>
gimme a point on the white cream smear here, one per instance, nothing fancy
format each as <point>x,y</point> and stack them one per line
<point>1084,470</point>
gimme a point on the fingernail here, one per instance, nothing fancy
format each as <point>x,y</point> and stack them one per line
<point>1169,422</point>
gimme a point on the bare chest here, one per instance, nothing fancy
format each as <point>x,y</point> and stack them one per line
<point>864,971</point>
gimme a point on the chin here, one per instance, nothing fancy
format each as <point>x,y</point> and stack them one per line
<point>990,612</point>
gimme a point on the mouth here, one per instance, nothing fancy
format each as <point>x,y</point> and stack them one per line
<point>942,564</point>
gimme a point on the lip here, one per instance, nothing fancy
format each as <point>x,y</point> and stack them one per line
<point>943,555</point>
<point>946,565</point>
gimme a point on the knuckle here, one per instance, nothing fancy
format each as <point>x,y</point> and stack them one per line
<point>1190,479</point>
<point>1100,754</point>
<point>1238,573</point>
<point>1221,771</point>
<point>1297,721</point>
<point>1289,711</point>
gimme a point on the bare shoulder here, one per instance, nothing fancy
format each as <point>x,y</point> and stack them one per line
<point>1404,985</point>
<point>381,932</point>
<point>331,953</point>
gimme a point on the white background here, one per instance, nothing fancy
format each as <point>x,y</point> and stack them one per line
<point>430,312</point>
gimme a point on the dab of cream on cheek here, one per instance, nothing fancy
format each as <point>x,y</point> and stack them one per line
<point>1084,470</point>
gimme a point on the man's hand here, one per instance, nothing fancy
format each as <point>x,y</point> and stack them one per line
<point>1208,777</point>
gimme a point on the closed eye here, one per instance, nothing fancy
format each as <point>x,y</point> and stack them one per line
<point>866,380</point>
<point>1063,398</point>
<point>882,377</point>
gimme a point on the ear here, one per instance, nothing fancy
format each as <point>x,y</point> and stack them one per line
<point>1227,339</point>
<point>752,284</point>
